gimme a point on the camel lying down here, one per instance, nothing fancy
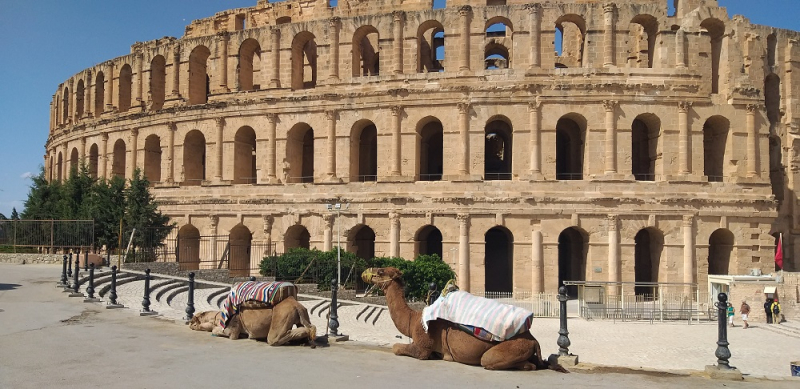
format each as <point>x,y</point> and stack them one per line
<point>259,321</point>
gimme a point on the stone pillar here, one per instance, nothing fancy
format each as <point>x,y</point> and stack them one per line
<point>397,41</point>
<point>535,21</point>
<point>688,252</point>
<point>680,49</point>
<point>534,118</point>
<point>608,35</point>
<point>176,72</point>
<point>463,124</point>
<point>611,136</point>
<point>271,177</point>
<point>172,128</point>
<point>222,57</point>
<point>397,115</point>
<point>464,11</point>
<point>463,252</point>
<point>275,78</point>
<point>138,92</point>
<point>683,138</point>
<point>220,130</point>
<point>65,162</point>
<point>109,99</point>
<point>613,249</point>
<point>268,221</point>
<point>331,173</point>
<point>394,234</point>
<point>134,140</point>
<point>103,157</point>
<point>328,219</point>
<point>752,142</point>
<point>537,263</point>
<point>333,30</point>
<point>73,103</point>
<point>88,104</point>
<point>83,152</point>
<point>214,221</point>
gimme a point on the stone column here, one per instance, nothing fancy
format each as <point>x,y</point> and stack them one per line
<point>134,140</point>
<point>611,136</point>
<point>680,49</point>
<point>214,221</point>
<point>397,115</point>
<point>103,157</point>
<point>463,124</point>
<point>688,252</point>
<point>110,88</point>
<point>73,103</point>
<point>534,115</point>
<point>394,237</point>
<point>327,244</point>
<point>222,57</point>
<point>752,142</point>
<point>83,152</point>
<point>88,104</point>
<point>464,11</point>
<point>275,78</point>
<point>65,162</point>
<point>397,41</point>
<point>683,138</point>
<point>333,30</point>
<point>139,80</point>
<point>537,263</point>
<point>331,117</point>
<point>271,178</point>
<point>172,128</point>
<point>613,249</point>
<point>608,36</point>
<point>463,252</point>
<point>268,221</point>
<point>535,20</point>
<point>220,130</point>
<point>176,72</point>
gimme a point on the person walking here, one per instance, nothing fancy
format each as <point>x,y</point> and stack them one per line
<point>731,313</point>
<point>745,311</point>
<point>768,310</point>
<point>776,312</point>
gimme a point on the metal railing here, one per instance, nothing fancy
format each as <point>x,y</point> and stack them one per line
<point>569,176</point>
<point>541,304</point>
<point>430,177</point>
<point>496,176</point>
<point>300,180</point>
<point>644,176</point>
<point>47,234</point>
<point>367,178</point>
<point>315,270</point>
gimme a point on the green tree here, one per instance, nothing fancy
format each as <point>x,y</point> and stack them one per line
<point>141,213</point>
<point>419,273</point>
<point>107,209</point>
<point>14,214</point>
<point>76,199</point>
<point>3,217</point>
<point>43,198</point>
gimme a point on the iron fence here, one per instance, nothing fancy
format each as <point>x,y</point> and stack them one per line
<point>541,304</point>
<point>316,270</point>
<point>47,235</point>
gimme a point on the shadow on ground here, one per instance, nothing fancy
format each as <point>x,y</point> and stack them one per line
<point>9,286</point>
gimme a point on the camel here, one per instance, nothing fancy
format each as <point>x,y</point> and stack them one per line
<point>256,320</point>
<point>446,340</point>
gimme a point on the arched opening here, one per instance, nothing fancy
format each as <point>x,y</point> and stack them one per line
<point>431,152</point>
<point>199,80</point>
<point>65,106</point>
<point>772,49</point>
<point>570,135</point>
<point>715,141</point>
<point>776,169</point>
<point>715,30</point>
<point>118,163</point>
<point>571,29</point>
<point>152,158</point>
<point>720,248</point>
<point>125,83</point>
<point>239,242</point>
<point>73,162</point>
<point>642,48</point>
<point>362,242</point>
<point>499,260</point>
<point>572,249</point>
<point>772,101</point>
<point>194,158</point>
<point>366,52</point>
<point>283,20</point>
<point>428,241</point>
<point>297,236</point>
<point>648,246</point>
<point>158,81</point>
<point>79,93</point>
<point>50,171</point>
<point>495,56</point>
<point>300,154</point>
<point>430,47</point>
<point>364,152</point>
<point>497,52</point>
<point>60,167</point>
<point>244,156</point>
<point>304,61</point>
<point>497,150</point>
<point>99,94</point>
<point>189,247</point>
<point>645,134</point>
<point>249,65</point>
<point>93,160</point>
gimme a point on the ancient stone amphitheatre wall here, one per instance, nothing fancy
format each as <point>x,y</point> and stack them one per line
<point>526,142</point>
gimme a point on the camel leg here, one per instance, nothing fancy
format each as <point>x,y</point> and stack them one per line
<point>279,339</point>
<point>511,354</point>
<point>411,350</point>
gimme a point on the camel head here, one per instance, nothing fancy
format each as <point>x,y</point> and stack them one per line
<point>382,275</point>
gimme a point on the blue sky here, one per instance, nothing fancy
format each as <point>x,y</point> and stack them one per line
<point>44,42</point>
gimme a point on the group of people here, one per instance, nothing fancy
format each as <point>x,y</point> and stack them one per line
<point>772,308</point>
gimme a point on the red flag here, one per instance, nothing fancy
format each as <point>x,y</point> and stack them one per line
<point>779,252</point>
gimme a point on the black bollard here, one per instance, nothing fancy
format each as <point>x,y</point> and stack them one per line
<point>69,265</point>
<point>112,296</point>
<point>333,324</point>
<point>190,299</point>
<point>64,279</point>
<point>90,288</point>
<point>563,335</point>
<point>723,353</point>
<point>253,279</point>
<point>76,283</point>
<point>146,300</point>
<point>85,261</point>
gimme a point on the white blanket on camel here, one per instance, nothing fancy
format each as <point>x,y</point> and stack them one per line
<point>503,321</point>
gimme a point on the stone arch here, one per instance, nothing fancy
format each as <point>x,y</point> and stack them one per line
<point>158,82</point>
<point>573,247</point>
<point>249,65</point>
<point>74,161</point>
<point>361,242</point>
<point>199,83</point>
<point>772,101</point>
<point>244,156</point>
<point>497,50</point>
<point>239,255</point>
<point>94,158</point>
<point>364,152</point>
<point>648,249</point>
<point>430,37</point>
<point>124,90</point>
<point>645,155</point>
<point>715,147</point>
<point>297,236</point>
<point>366,51</point>
<point>65,106</point>
<point>300,154</point>
<point>428,241</point>
<point>498,149</point>
<point>99,94</point>
<point>776,169</point>
<point>189,247</point>
<point>304,61</point>
<point>714,29</point>
<point>643,30</point>
<point>496,56</point>
<point>571,30</point>
<point>570,140</point>
<point>499,260</point>
<point>430,149</point>
<point>720,250</point>
<point>79,94</point>
<point>772,50</point>
<point>118,162</point>
<point>152,158</point>
<point>194,158</point>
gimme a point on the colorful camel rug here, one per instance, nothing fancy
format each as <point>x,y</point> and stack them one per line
<point>270,293</point>
<point>501,321</point>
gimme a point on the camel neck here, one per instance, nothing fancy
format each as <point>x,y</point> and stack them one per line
<point>402,315</point>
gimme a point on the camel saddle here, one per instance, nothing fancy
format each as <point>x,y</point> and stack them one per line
<point>254,295</point>
<point>484,318</point>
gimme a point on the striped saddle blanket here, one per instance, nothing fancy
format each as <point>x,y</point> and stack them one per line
<point>484,318</point>
<point>270,293</point>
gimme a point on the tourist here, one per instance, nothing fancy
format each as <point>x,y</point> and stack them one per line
<point>745,311</point>
<point>768,310</point>
<point>731,313</point>
<point>776,311</point>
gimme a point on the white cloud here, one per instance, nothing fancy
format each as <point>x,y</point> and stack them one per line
<point>26,175</point>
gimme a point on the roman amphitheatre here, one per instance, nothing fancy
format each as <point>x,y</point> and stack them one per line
<point>526,143</point>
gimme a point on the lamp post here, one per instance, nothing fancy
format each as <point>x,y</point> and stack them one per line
<point>338,208</point>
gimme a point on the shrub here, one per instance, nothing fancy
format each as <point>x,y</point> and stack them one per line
<point>419,274</point>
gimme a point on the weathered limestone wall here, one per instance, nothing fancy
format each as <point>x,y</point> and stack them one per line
<point>31,258</point>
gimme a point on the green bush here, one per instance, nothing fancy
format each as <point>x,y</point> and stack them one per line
<point>419,274</point>
<point>301,265</point>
